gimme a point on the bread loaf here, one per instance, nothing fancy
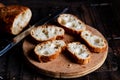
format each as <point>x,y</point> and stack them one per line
<point>47,32</point>
<point>71,23</point>
<point>49,50</point>
<point>94,42</point>
<point>79,52</point>
<point>14,18</point>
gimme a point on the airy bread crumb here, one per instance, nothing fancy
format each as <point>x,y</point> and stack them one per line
<point>96,43</point>
<point>49,50</point>
<point>71,23</point>
<point>14,18</point>
<point>79,52</point>
<point>47,32</point>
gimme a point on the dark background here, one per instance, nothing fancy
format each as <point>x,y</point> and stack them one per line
<point>100,14</point>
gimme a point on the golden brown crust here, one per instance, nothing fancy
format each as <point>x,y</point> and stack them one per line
<point>46,58</point>
<point>8,15</point>
<point>93,48</point>
<point>78,59</point>
<point>70,30</point>
<point>57,37</point>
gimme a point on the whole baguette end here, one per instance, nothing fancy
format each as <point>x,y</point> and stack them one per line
<point>14,18</point>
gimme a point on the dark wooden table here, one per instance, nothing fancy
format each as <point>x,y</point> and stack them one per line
<point>100,15</point>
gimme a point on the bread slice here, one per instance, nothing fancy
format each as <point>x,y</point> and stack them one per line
<point>14,18</point>
<point>49,50</point>
<point>79,52</point>
<point>94,42</point>
<point>71,23</point>
<point>47,32</point>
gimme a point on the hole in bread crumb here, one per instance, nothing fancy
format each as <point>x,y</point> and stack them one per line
<point>32,33</point>
<point>97,41</point>
<point>46,53</point>
<point>86,34</point>
<point>20,27</point>
<point>63,22</point>
<point>79,23</point>
<point>43,31</point>
<point>37,35</point>
<point>60,29</point>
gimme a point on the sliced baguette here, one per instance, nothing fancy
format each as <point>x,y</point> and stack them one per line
<point>71,23</point>
<point>94,42</point>
<point>14,18</point>
<point>79,52</point>
<point>47,32</point>
<point>49,50</point>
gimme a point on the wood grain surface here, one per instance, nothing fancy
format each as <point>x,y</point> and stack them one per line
<point>63,66</point>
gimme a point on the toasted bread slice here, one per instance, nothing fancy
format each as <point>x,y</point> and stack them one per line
<point>49,50</point>
<point>14,18</point>
<point>79,52</point>
<point>71,23</point>
<point>47,32</point>
<point>94,42</point>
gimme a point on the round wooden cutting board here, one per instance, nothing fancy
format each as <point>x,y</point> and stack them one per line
<point>63,66</point>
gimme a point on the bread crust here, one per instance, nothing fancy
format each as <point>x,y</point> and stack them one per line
<point>8,14</point>
<point>93,48</point>
<point>71,30</point>
<point>78,59</point>
<point>56,37</point>
<point>44,58</point>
